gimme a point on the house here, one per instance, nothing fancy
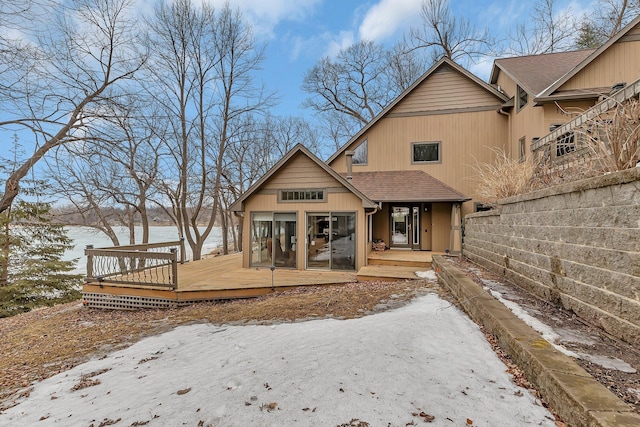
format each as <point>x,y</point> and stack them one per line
<point>547,91</point>
<point>407,178</point>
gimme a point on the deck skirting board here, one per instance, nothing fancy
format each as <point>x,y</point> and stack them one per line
<point>125,302</point>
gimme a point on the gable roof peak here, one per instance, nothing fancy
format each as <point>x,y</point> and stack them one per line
<point>238,205</point>
<point>534,73</point>
<point>444,61</point>
<point>586,61</point>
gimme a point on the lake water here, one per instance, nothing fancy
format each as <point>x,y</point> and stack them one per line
<point>83,236</point>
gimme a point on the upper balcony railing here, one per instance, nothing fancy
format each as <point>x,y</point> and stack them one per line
<point>570,144</point>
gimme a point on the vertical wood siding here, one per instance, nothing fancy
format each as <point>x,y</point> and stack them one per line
<point>620,63</point>
<point>464,137</point>
<point>301,172</point>
<point>445,89</point>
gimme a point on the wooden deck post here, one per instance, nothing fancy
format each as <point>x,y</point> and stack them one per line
<point>182,254</point>
<point>174,267</point>
<point>89,255</point>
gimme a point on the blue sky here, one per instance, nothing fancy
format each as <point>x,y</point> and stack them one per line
<point>300,32</point>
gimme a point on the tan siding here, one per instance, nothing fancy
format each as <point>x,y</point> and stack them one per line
<point>465,138</point>
<point>445,89</point>
<point>381,224</point>
<point>426,228</point>
<point>301,172</point>
<point>336,202</point>
<point>620,63</point>
<point>441,225</point>
<point>507,85</point>
<point>634,31</point>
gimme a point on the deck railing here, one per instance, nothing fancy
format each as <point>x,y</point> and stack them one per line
<point>149,264</point>
<point>564,147</point>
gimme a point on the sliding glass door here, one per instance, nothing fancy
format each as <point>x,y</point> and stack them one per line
<point>331,241</point>
<point>318,245</point>
<point>273,239</point>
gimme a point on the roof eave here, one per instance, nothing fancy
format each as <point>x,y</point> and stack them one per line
<point>574,97</point>
<point>435,200</point>
<point>515,80</point>
<point>575,70</point>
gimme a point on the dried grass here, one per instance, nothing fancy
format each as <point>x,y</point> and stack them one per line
<point>613,138</point>
<point>505,177</point>
<point>44,342</point>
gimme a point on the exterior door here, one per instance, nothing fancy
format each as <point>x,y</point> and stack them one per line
<point>405,227</point>
<point>400,227</point>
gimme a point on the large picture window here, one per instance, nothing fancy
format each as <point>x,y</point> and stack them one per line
<point>273,239</point>
<point>426,152</point>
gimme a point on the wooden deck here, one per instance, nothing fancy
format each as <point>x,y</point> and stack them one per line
<point>224,278</point>
<point>209,279</point>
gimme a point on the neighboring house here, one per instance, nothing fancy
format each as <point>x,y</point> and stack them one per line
<point>407,177</point>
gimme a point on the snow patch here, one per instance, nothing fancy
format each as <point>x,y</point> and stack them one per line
<point>429,275</point>
<point>546,331</point>
<point>385,369</point>
<point>609,363</point>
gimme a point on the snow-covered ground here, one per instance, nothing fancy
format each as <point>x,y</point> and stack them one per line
<point>557,337</point>
<point>395,368</point>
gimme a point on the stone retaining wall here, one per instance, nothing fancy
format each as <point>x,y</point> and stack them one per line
<point>577,244</point>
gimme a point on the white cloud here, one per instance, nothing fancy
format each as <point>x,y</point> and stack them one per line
<point>482,68</point>
<point>386,18</point>
<point>265,15</point>
<point>321,45</point>
<point>341,41</point>
<point>503,14</point>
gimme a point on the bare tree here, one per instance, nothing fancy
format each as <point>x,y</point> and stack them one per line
<point>66,73</point>
<point>204,62</point>
<point>609,17</point>
<point>444,35</point>
<point>112,175</point>
<point>547,30</point>
<point>353,85</point>
<point>403,67</point>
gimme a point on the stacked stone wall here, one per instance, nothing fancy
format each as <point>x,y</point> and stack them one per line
<point>577,244</point>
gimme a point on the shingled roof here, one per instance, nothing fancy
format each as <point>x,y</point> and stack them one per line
<point>535,73</point>
<point>404,186</point>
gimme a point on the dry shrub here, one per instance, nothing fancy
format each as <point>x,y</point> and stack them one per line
<point>613,138</point>
<point>505,177</point>
<point>546,175</point>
